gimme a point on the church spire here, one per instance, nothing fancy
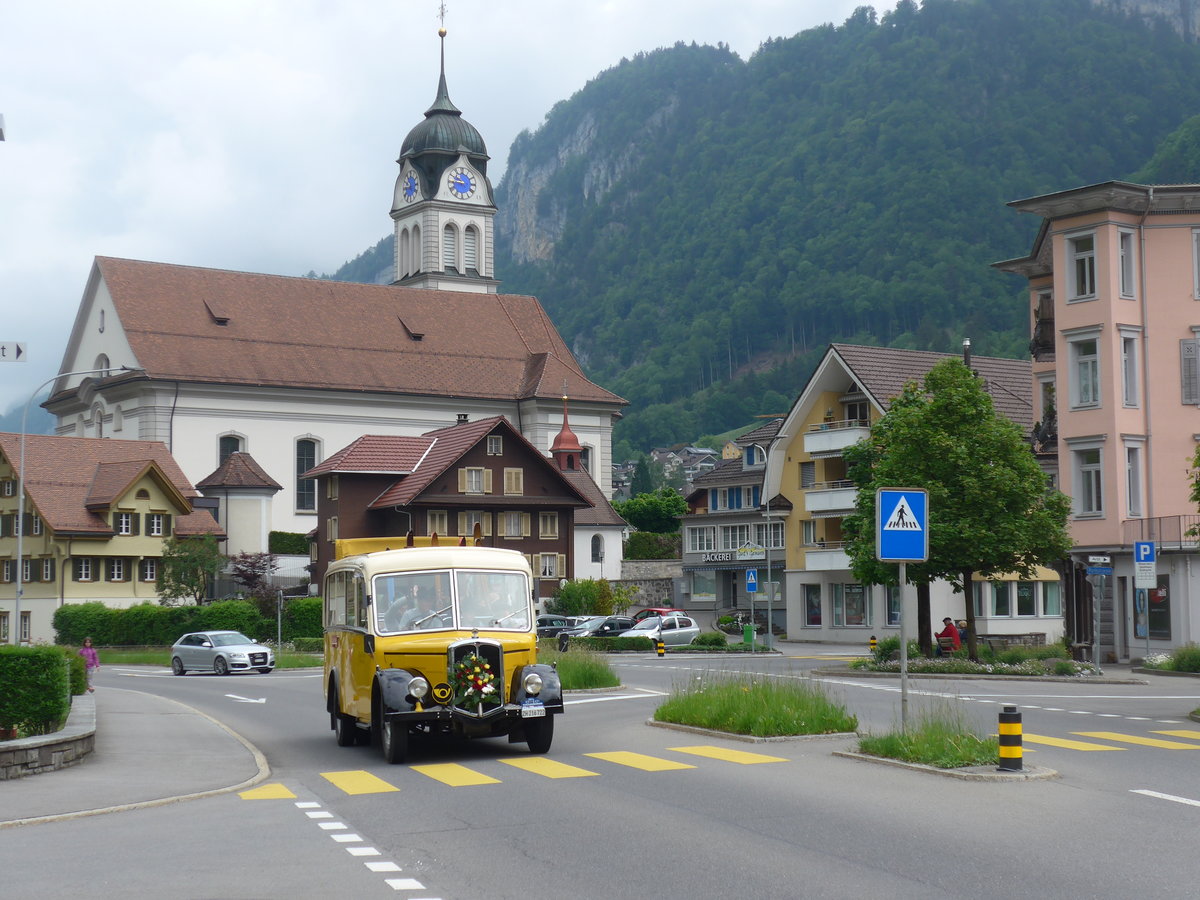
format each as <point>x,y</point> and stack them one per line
<point>566,448</point>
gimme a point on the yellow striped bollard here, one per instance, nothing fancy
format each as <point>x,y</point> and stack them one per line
<point>1009,733</point>
<point>874,643</point>
<point>661,646</point>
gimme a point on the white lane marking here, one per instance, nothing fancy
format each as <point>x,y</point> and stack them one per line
<point>246,699</point>
<point>1170,797</point>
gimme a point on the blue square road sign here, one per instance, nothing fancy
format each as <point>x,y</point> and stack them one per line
<point>902,525</point>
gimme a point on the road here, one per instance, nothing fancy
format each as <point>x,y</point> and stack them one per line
<point>621,809</point>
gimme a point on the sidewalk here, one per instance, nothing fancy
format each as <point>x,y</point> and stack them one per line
<point>149,751</point>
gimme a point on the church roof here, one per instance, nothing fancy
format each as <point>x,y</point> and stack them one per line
<point>191,324</point>
<point>72,482</point>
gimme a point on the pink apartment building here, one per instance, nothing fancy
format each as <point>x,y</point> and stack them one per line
<point>1114,290</point>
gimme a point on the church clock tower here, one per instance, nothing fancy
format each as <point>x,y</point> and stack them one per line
<point>443,207</point>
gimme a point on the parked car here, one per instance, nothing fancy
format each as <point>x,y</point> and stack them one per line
<point>221,652</point>
<point>550,626</point>
<point>658,611</point>
<point>601,626</point>
<point>676,631</point>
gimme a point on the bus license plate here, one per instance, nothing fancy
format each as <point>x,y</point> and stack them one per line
<point>532,712</point>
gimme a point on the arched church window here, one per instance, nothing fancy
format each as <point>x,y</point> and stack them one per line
<point>449,248</point>
<point>414,263</point>
<point>306,488</point>
<point>228,443</point>
<point>101,365</point>
<point>597,548</point>
<point>402,257</point>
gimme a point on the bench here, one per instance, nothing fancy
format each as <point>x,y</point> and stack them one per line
<point>946,645</point>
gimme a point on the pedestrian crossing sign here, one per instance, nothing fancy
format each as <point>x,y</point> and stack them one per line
<point>901,525</point>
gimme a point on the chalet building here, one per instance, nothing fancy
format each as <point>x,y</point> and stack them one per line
<point>1114,311</point>
<point>727,530</point>
<point>287,370</point>
<point>96,514</point>
<point>850,390</point>
<point>451,480</point>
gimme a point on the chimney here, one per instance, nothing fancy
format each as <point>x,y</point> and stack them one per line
<point>462,418</point>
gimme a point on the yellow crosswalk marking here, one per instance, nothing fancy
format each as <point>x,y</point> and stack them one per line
<point>455,775</point>
<point>550,768</point>
<point>735,756</point>
<point>1064,742</point>
<point>1135,739</point>
<point>639,761</point>
<point>268,792</point>
<point>1182,732</point>
<point>358,782</point>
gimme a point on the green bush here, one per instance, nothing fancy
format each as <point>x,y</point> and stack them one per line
<point>34,688</point>
<point>289,543</point>
<point>309,644</point>
<point>582,597</point>
<point>1061,666</point>
<point>648,545</point>
<point>302,618</point>
<point>710,639</point>
<point>1186,658</point>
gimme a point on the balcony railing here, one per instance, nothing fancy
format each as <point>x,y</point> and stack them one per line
<point>1169,532</point>
<point>826,438</point>
<point>828,556</point>
<point>830,497</point>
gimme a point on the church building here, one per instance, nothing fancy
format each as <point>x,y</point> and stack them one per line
<point>288,370</point>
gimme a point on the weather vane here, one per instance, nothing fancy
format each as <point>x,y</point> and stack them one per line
<point>442,14</point>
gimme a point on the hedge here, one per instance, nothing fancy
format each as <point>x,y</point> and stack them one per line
<point>34,688</point>
<point>151,625</point>
<point>288,543</point>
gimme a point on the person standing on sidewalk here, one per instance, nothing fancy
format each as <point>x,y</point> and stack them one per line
<point>91,660</point>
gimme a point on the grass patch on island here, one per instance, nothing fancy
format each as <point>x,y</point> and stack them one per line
<point>760,707</point>
<point>581,669</point>
<point>940,738</point>
<point>161,656</point>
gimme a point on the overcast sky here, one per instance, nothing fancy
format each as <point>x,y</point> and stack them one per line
<point>261,135</point>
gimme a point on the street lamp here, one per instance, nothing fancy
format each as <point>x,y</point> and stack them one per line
<point>21,489</point>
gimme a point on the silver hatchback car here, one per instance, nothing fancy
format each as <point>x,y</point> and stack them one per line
<point>676,631</point>
<point>221,652</point>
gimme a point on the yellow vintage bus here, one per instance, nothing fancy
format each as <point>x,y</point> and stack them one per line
<point>433,640</point>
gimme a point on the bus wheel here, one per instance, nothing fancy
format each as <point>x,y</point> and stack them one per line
<point>344,729</point>
<point>539,733</point>
<point>393,739</point>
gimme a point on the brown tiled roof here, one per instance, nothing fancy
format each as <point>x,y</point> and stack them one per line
<point>70,480</point>
<point>884,372</point>
<point>421,460</point>
<point>763,434</point>
<point>601,512</point>
<point>726,472</point>
<point>376,454</point>
<point>210,325</point>
<point>240,470</point>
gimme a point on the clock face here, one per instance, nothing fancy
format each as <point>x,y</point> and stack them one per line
<point>461,183</point>
<point>410,187</point>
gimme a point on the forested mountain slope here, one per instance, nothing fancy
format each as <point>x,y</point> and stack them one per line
<point>699,227</point>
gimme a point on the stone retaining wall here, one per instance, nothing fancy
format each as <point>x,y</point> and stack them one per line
<point>48,752</point>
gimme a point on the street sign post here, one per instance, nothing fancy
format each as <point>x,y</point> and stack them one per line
<point>1145,579</point>
<point>902,536</point>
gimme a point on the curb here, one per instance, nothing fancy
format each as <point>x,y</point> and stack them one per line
<point>1088,679</point>
<point>969,773</point>
<point>44,753</point>
<point>1166,672</point>
<point>749,738</point>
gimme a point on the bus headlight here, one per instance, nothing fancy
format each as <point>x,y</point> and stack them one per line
<point>418,688</point>
<point>533,684</point>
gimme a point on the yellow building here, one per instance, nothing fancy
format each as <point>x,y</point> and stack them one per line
<point>850,390</point>
<point>96,513</point>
